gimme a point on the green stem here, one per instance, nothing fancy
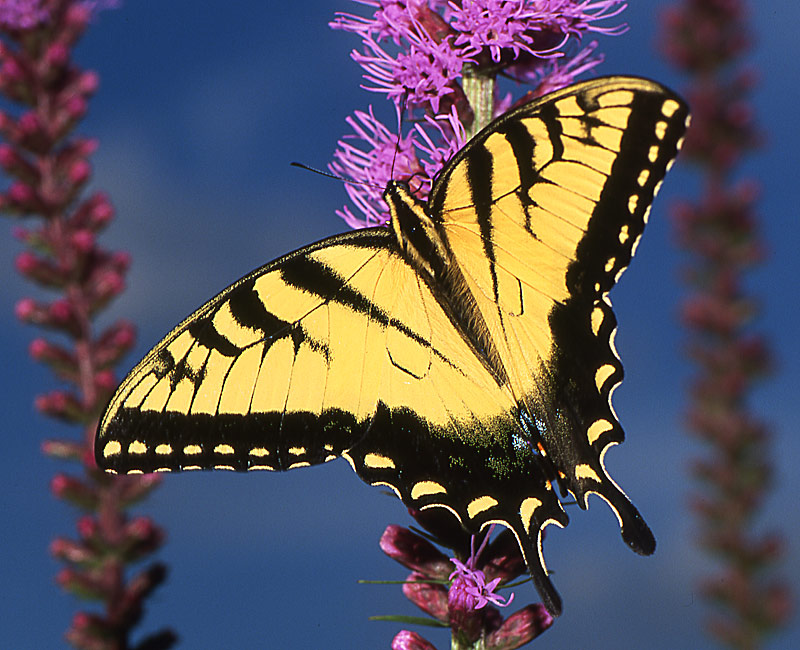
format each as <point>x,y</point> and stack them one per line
<point>455,644</point>
<point>479,89</point>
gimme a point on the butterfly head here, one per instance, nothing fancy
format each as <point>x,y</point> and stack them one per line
<point>416,232</point>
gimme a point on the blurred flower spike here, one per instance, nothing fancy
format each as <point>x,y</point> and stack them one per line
<point>47,169</point>
<point>748,595</point>
<point>27,14</point>
<point>438,62</point>
<point>461,593</point>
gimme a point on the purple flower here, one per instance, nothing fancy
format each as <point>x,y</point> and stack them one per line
<point>387,157</point>
<point>468,605</point>
<point>391,17</point>
<point>557,73</point>
<point>22,14</point>
<point>448,138</point>
<point>421,54</point>
<point>469,589</point>
<point>502,26</point>
<point>424,74</point>
<point>416,159</point>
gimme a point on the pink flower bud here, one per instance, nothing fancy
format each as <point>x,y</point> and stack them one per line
<point>138,487</point>
<point>29,124</point>
<point>111,285</point>
<point>406,640</point>
<point>82,241</point>
<point>82,621</point>
<point>7,156</point>
<point>415,552</point>
<point>25,308</point>
<point>57,55</point>
<point>521,627</point>
<point>11,72</point>
<point>79,172</point>
<point>102,211</point>
<point>142,528</point>
<point>76,108</point>
<point>121,260</point>
<point>53,403</point>
<point>65,449</point>
<point>58,546</point>
<point>21,194</point>
<point>26,262</point>
<point>68,550</point>
<point>61,311</point>
<point>59,484</point>
<point>105,380</point>
<point>86,147</point>
<point>87,527</point>
<point>89,82</point>
<point>430,598</point>
<point>78,16</point>
<point>38,349</point>
<point>64,578</point>
<point>125,336</point>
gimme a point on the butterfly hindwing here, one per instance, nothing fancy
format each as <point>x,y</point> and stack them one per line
<point>462,357</point>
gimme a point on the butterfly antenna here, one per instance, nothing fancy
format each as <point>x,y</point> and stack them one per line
<point>322,172</point>
<point>401,109</point>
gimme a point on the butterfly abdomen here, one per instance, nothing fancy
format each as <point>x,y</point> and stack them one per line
<point>420,239</point>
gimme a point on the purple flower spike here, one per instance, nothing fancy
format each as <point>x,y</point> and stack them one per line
<point>421,54</point>
<point>469,604</point>
<point>47,168</point>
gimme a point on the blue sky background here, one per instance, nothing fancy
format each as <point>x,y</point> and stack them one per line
<point>199,114</point>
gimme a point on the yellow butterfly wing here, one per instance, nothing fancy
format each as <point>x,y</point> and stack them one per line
<point>542,213</point>
<point>338,349</point>
<point>309,343</point>
<point>463,358</point>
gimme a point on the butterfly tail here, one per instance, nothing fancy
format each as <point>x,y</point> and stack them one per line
<point>635,532</point>
<point>531,552</point>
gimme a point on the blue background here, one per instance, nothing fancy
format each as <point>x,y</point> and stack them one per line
<point>199,113</point>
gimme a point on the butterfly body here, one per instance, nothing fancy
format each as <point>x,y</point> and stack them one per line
<point>463,357</point>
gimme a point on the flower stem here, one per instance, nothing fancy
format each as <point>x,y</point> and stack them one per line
<point>478,87</point>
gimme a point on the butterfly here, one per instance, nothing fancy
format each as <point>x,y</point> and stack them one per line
<point>462,357</point>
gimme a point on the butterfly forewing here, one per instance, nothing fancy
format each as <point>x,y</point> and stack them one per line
<point>542,212</point>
